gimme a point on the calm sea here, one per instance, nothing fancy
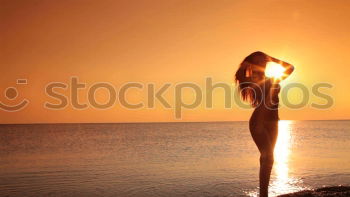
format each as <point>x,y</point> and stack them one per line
<point>167,159</point>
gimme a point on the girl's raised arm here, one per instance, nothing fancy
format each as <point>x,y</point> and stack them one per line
<point>289,67</point>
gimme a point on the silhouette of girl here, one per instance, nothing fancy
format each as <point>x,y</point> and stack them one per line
<point>262,93</point>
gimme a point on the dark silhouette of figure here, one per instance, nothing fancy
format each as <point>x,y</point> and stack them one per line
<point>262,92</point>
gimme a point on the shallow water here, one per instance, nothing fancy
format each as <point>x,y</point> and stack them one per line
<point>167,159</point>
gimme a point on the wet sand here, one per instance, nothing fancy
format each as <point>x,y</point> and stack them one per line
<point>339,191</point>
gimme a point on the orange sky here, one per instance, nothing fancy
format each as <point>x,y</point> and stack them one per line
<point>168,42</point>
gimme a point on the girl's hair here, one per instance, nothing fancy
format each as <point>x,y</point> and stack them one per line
<point>250,90</point>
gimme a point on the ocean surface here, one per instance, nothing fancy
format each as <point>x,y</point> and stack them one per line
<point>168,159</point>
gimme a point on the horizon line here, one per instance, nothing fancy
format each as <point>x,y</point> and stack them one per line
<point>160,122</point>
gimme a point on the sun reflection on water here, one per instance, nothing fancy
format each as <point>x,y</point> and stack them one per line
<point>282,151</point>
<point>281,181</point>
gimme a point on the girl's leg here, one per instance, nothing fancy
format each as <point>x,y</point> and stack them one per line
<point>265,139</point>
<point>266,163</point>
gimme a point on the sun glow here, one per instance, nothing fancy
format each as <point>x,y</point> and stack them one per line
<point>274,70</point>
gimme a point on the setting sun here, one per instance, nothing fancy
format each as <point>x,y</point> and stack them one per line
<point>274,70</point>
